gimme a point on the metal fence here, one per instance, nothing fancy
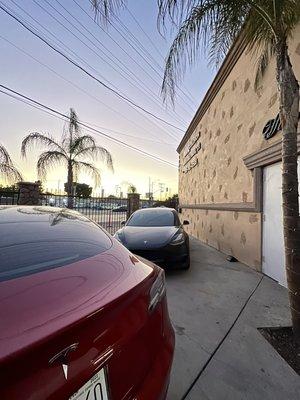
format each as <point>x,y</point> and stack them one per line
<point>107,212</point>
<point>9,198</point>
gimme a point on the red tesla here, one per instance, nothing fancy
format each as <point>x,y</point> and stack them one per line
<point>81,317</point>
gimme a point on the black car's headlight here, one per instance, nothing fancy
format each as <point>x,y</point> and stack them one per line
<point>177,239</point>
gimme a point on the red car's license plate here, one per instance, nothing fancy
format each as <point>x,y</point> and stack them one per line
<point>94,389</point>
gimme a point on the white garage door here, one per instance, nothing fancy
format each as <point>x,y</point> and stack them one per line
<point>273,245</point>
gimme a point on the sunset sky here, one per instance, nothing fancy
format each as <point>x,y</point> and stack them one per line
<point>133,66</point>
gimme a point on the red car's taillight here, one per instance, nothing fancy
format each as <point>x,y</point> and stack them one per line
<point>157,290</point>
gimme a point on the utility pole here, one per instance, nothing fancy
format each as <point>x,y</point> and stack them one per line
<point>161,189</point>
<point>118,190</point>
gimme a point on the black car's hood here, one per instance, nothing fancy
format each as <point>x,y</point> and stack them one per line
<point>138,237</point>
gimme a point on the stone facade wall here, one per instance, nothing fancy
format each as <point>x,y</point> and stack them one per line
<point>232,232</point>
<point>230,130</point>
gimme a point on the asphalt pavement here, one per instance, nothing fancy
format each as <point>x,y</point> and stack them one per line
<point>216,308</point>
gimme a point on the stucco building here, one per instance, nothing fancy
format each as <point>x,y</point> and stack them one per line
<point>229,172</point>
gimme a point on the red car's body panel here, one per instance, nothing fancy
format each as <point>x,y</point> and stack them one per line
<point>48,301</point>
<point>100,304</point>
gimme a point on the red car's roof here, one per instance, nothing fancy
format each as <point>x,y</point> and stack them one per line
<point>49,297</point>
<point>41,238</point>
<point>35,213</point>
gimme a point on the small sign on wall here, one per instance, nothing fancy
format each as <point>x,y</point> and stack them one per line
<point>189,160</point>
<point>190,166</point>
<point>272,127</point>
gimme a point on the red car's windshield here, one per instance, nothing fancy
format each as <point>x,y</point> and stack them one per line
<point>41,240</point>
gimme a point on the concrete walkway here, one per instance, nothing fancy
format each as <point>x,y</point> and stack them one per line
<point>216,308</point>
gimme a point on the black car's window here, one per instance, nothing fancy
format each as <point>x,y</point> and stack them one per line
<point>153,217</point>
<point>36,245</point>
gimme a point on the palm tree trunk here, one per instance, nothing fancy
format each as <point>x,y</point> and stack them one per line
<point>289,114</point>
<point>70,185</point>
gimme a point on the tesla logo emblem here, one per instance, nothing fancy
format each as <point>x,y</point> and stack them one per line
<point>62,358</point>
<point>65,369</point>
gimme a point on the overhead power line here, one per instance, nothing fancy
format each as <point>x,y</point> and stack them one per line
<point>162,57</point>
<point>137,46</point>
<point>68,58</point>
<point>64,119</point>
<point>134,60</point>
<point>61,43</point>
<point>114,64</point>
<point>162,130</point>
<point>145,33</point>
<point>35,104</point>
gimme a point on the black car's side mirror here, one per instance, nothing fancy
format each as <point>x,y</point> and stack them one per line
<point>123,222</point>
<point>185,222</point>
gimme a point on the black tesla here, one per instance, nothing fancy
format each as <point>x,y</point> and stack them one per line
<point>157,235</point>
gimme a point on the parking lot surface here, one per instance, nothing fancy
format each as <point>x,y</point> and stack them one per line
<point>216,308</point>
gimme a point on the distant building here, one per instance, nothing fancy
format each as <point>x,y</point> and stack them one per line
<point>230,164</point>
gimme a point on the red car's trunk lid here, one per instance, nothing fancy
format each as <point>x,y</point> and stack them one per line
<point>99,305</point>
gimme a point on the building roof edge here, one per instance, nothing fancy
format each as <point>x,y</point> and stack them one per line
<point>227,66</point>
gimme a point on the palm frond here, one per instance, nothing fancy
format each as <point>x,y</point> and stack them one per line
<point>287,15</point>
<point>97,153</point>
<point>105,10</point>
<point>62,216</point>
<point>176,10</point>
<point>39,139</point>
<point>131,188</point>
<point>211,26</point>
<point>81,143</point>
<point>48,160</point>
<point>74,125</point>
<point>74,148</point>
<point>4,156</point>
<point>87,168</point>
<point>71,131</point>
<point>205,28</point>
<point>258,34</point>
<point>55,217</point>
<point>8,173</point>
<point>262,64</point>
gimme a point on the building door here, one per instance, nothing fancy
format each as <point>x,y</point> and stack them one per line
<point>273,244</point>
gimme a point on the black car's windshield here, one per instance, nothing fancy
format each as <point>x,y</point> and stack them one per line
<point>153,217</point>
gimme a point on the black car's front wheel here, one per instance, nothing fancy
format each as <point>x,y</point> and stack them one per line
<point>187,263</point>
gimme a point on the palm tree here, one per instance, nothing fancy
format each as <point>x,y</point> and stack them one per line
<point>266,26</point>
<point>8,172</point>
<point>71,151</point>
<point>131,188</point>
